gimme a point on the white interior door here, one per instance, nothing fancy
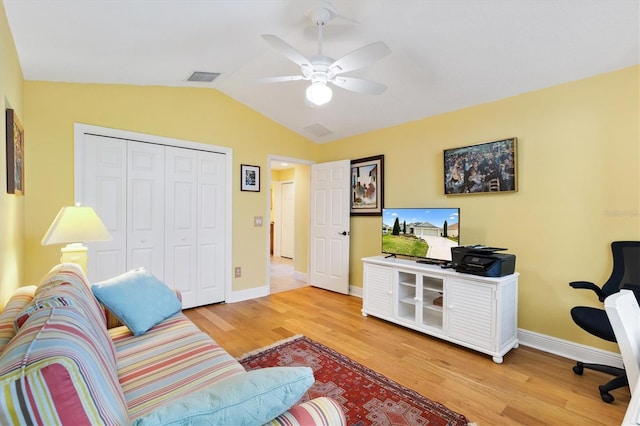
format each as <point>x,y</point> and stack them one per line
<point>330,226</point>
<point>104,187</point>
<point>181,226</point>
<point>288,216</point>
<point>123,188</point>
<point>211,227</point>
<point>146,208</point>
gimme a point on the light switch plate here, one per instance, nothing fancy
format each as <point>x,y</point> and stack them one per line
<point>257,221</point>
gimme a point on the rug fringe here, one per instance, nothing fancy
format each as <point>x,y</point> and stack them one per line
<point>279,342</point>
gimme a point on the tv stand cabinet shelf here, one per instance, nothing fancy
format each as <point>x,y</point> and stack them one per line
<point>476,312</point>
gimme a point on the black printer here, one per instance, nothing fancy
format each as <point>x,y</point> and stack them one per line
<point>482,260</point>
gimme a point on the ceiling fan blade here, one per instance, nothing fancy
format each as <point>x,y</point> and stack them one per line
<point>361,57</point>
<point>286,49</point>
<point>281,79</point>
<point>359,85</point>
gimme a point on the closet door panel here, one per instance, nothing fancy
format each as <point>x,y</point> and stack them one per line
<point>145,212</point>
<point>165,208</point>
<point>181,223</point>
<point>104,188</point>
<point>211,232</point>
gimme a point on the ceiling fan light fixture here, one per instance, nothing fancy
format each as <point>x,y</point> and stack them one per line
<point>318,93</point>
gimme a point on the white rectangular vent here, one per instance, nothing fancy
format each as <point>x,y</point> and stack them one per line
<point>318,129</point>
<point>203,77</point>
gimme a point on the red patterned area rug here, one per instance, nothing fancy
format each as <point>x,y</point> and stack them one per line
<point>367,398</point>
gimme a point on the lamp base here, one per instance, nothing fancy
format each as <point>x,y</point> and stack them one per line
<point>75,253</point>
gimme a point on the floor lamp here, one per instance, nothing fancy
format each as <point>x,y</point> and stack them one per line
<point>75,225</point>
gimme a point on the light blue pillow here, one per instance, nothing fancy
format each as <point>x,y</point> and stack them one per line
<point>138,299</point>
<point>252,398</point>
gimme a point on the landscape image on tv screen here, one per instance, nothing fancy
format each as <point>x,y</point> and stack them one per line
<point>420,232</point>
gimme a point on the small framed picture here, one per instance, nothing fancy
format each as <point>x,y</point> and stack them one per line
<point>15,154</point>
<point>249,178</point>
<point>367,186</point>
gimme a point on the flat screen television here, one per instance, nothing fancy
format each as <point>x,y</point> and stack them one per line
<point>424,233</point>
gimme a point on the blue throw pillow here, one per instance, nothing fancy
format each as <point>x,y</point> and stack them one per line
<point>252,398</point>
<point>138,299</point>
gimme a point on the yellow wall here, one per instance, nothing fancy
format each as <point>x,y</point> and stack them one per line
<point>201,115</point>
<point>578,173</point>
<point>11,206</point>
<point>302,209</point>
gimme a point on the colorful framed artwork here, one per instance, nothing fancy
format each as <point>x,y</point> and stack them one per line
<point>367,186</point>
<point>249,178</point>
<point>15,154</point>
<point>480,169</point>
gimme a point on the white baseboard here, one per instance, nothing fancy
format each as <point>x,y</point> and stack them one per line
<point>300,276</point>
<point>252,293</point>
<point>355,291</point>
<point>567,349</point>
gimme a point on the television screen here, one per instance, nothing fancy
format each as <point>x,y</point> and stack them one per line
<point>421,232</point>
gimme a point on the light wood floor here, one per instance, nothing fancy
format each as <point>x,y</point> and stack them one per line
<point>531,387</point>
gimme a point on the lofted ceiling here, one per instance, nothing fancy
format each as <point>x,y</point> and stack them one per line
<point>446,54</point>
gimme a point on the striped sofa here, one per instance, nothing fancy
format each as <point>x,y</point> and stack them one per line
<point>61,364</point>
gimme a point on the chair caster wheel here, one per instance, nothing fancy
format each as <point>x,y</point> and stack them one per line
<point>606,397</point>
<point>578,368</point>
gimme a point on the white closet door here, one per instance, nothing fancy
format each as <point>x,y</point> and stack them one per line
<point>211,232</point>
<point>104,187</point>
<point>145,208</point>
<point>181,226</point>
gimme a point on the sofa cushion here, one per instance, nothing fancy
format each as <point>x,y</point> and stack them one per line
<point>170,361</point>
<point>21,298</point>
<point>319,411</point>
<point>56,370</point>
<point>251,398</point>
<point>68,281</point>
<point>138,299</point>
<point>69,278</point>
<point>30,309</point>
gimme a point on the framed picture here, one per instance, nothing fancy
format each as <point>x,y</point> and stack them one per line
<point>367,186</point>
<point>479,169</point>
<point>15,154</point>
<point>249,178</point>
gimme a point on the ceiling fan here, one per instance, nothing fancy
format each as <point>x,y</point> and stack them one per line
<point>321,69</point>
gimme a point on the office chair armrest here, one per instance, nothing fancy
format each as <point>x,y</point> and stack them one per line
<point>588,286</point>
<point>633,287</point>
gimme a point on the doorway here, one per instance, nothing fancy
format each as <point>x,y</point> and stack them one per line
<point>289,224</point>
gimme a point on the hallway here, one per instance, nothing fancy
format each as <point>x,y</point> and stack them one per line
<point>282,279</point>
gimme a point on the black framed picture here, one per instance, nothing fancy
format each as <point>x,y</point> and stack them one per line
<point>15,154</point>
<point>479,169</point>
<point>367,186</point>
<point>249,178</point>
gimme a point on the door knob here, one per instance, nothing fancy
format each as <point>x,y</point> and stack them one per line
<point>343,233</point>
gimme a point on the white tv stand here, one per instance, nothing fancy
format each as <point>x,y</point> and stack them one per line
<point>477,312</point>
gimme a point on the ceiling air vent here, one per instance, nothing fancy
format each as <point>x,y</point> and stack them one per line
<point>203,77</point>
<point>318,130</point>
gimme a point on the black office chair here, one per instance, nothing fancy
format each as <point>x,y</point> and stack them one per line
<point>625,274</point>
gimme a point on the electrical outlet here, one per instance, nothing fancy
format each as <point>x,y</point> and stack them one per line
<point>257,221</point>
<point>238,272</point>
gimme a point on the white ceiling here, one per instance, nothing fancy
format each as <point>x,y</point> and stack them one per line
<point>446,54</point>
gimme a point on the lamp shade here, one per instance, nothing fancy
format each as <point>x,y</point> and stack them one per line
<point>76,224</point>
